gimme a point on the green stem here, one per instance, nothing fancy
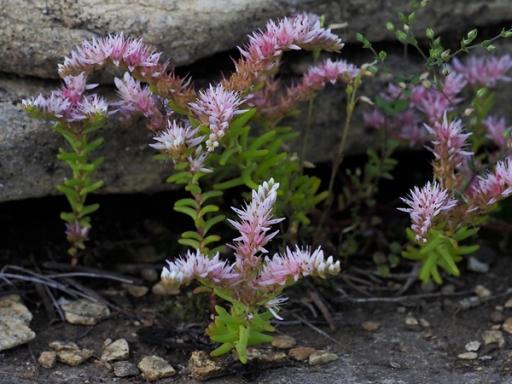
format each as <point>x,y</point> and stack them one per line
<point>340,154</point>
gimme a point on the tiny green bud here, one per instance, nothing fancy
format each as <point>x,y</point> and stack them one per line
<point>401,36</point>
<point>382,55</point>
<point>445,54</point>
<point>430,33</point>
<point>491,48</point>
<point>506,33</point>
<point>482,92</point>
<point>406,28</point>
<point>390,26</point>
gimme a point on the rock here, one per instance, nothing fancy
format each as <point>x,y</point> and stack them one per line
<point>283,342</point>
<point>14,323</point>
<point>301,353</point>
<point>154,368</point>
<point>508,303</point>
<point>468,356</point>
<point>482,291</point>
<point>496,316</point>
<point>202,367</point>
<point>424,323</point>
<point>412,323</point>
<point>74,357</point>
<point>124,369</point>
<point>85,312</point>
<point>162,290</point>
<point>118,350</point>
<point>136,290</point>
<point>493,337</point>
<point>472,346</point>
<point>370,326</point>
<point>149,274</point>
<point>193,30</point>
<point>322,357</point>
<point>61,345</point>
<point>266,356</point>
<point>507,325</point>
<point>47,359</point>
<point>476,265</point>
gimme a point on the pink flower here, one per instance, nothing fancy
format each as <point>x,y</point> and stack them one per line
<point>425,204</point>
<point>55,106</point>
<point>329,71</point>
<point>410,128</point>
<point>176,139</point>
<point>254,224</point>
<point>301,31</point>
<point>484,71</point>
<point>453,85</point>
<point>75,233</point>
<point>295,264</point>
<point>122,52</point>
<point>196,161</point>
<point>449,142</point>
<point>431,102</point>
<point>196,266</point>
<point>215,107</point>
<point>135,98</point>
<point>374,119</point>
<point>91,106</point>
<point>492,187</point>
<point>497,130</point>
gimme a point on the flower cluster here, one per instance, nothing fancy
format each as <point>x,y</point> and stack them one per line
<point>261,55</point>
<point>252,279</point>
<point>69,103</point>
<point>177,139</point>
<point>484,71</point>
<point>498,132</point>
<point>425,204</point>
<point>492,187</point>
<point>129,53</point>
<point>215,107</point>
<point>449,146</point>
<point>328,71</point>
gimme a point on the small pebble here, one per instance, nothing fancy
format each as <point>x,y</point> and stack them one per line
<point>370,326</point>
<point>117,350</point>
<point>448,289</point>
<point>508,303</point>
<point>47,359</point>
<point>476,265</point>
<point>136,290</point>
<point>493,337</point>
<point>301,353</point>
<point>424,323</point>
<point>507,325</point>
<point>468,356</point>
<point>482,291</point>
<point>202,366</point>
<point>154,368</point>
<point>322,357</point>
<point>473,346</point>
<point>124,369</point>
<point>283,342</point>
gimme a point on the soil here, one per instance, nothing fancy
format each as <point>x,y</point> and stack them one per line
<point>392,354</point>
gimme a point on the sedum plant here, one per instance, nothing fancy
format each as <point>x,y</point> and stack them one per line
<point>252,283</point>
<point>77,117</point>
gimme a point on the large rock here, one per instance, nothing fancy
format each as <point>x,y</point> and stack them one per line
<point>36,34</point>
<point>14,323</point>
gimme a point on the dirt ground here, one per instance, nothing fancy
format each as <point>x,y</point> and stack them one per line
<point>392,354</point>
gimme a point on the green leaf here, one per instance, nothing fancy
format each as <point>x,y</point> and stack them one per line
<point>191,235</point>
<point>229,184</point>
<point>207,209</point>
<point>187,202</point>
<point>211,222</point>
<point>210,239</point>
<point>91,188</point>
<point>88,209</point>
<point>189,242</point>
<point>222,350</point>
<point>241,344</point>
<point>209,195</point>
<point>242,119</point>
<point>187,211</point>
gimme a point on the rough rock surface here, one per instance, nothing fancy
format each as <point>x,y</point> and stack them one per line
<point>85,312</point>
<point>14,323</point>
<point>36,33</point>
